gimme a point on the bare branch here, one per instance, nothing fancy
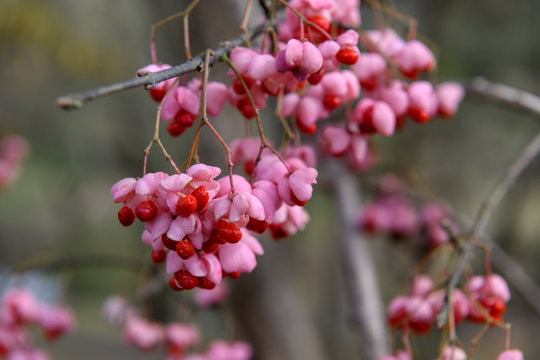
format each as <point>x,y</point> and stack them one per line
<point>514,171</point>
<point>359,270</point>
<point>505,95</point>
<point>77,100</point>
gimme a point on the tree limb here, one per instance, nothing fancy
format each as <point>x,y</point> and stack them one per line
<point>505,95</point>
<point>359,271</point>
<point>77,100</point>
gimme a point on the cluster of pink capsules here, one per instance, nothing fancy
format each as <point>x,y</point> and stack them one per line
<point>20,311</point>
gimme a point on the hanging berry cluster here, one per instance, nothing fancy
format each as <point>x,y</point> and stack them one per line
<point>20,310</point>
<point>177,338</point>
<point>203,226</point>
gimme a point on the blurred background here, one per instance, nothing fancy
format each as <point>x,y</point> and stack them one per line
<point>293,305</point>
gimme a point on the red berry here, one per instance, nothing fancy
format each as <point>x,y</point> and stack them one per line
<point>249,167</point>
<point>174,284</point>
<point>126,216</point>
<point>233,275</point>
<point>277,232</point>
<point>420,116</point>
<point>229,231</point>
<point>321,21</point>
<point>238,87</point>
<point>348,54</point>
<point>295,200</point>
<point>314,33</point>
<point>258,226</point>
<point>168,243</point>
<point>367,127</point>
<point>184,118</point>
<point>146,210</point>
<point>202,196</point>
<point>53,333</point>
<point>497,309</point>
<point>271,88</point>
<point>174,128</point>
<point>158,256</point>
<point>411,74</point>
<point>185,249</point>
<point>245,107</point>
<point>158,93</point>
<point>186,205</point>
<point>306,129</point>
<point>316,78</point>
<point>204,283</point>
<point>369,84</point>
<point>210,246</point>
<point>331,101</point>
<point>217,239</point>
<point>420,326</point>
<point>400,122</point>
<point>186,280</point>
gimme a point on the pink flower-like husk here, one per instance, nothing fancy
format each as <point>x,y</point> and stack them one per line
<point>148,184</point>
<point>267,193</point>
<point>335,140</point>
<point>195,264</point>
<point>222,350</point>
<point>348,37</point>
<point>187,226</point>
<point>237,257</point>
<point>159,225</point>
<point>270,168</point>
<point>240,185</point>
<point>384,119</point>
<point>453,353</point>
<point>449,95</point>
<point>215,296</point>
<point>299,183</point>
<point>262,66</point>
<point>182,335</point>
<point>241,57</point>
<point>252,242</point>
<point>334,83</point>
<point>217,94</point>
<point>289,104</point>
<point>123,189</point>
<point>513,354</point>
<point>213,265</point>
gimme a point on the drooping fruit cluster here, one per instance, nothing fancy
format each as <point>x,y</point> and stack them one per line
<point>202,226</point>
<point>317,67</point>
<point>483,300</point>
<point>176,337</point>
<point>19,311</point>
<point>393,213</point>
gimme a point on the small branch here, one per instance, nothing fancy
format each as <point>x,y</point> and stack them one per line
<point>514,171</point>
<point>264,143</point>
<point>505,95</point>
<point>245,20</point>
<point>184,14</point>
<point>358,268</point>
<point>77,100</point>
<point>156,139</point>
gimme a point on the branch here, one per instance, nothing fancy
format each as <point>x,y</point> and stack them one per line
<point>521,100</point>
<point>505,95</point>
<point>77,100</point>
<point>359,271</point>
<point>514,171</point>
